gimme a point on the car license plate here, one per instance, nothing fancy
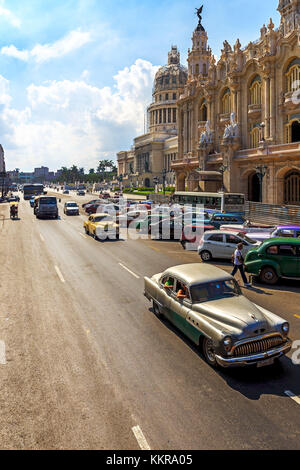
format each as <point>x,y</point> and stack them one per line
<point>266,362</point>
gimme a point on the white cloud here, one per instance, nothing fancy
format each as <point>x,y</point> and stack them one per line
<point>72,122</point>
<point>8,15</point>
<point>42,53</point>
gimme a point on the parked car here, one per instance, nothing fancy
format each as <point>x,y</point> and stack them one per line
<point>31,202</point>
<point>192,234</point>
<point>207,305</point>
<point>71,208</point>
<point>66,191</point>
<point>280,231</point>
<point>93,208</point>
<point>101,226</point>
<point>94,201</point>
<point>274,259</point>
<point>81,192</point>
<point>249,228</point>
<point>219,219</point>
<point>220,244</point>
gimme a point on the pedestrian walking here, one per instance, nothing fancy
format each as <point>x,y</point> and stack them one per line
<point>238,262</point>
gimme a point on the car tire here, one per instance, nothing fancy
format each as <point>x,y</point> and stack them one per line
<point>268,276</point>
<point>205,256</point>
<point>156,310</point>
<point>208,352</point>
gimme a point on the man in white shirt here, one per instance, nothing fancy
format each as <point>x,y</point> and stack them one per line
<point>239,264</point>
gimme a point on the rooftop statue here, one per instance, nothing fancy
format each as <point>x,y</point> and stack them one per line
<point>199,11</point>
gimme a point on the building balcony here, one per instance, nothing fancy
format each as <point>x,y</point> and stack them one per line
<point>292,99</point>
<point>254,109</point>
<point>225,117</point>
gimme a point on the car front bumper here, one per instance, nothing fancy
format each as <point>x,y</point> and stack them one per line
<point>254,358</point>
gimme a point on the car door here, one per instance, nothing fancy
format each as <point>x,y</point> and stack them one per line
<point>179,308</point>
<point>231,242</point>
<point>215,245</point>
<point>289,261</point>
<point>163,295</point>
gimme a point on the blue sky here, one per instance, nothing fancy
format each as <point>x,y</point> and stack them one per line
<point>77,75</point>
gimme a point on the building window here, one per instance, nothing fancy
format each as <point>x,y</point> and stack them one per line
<point>167,96</point>
<point>255,136</point>
<point>197,69</point>
<point>174,115</point>
<point>160,116</point>
<point>293,131</point>
<point>165,116</point>
<point>169,115</point>
<point>174,96</point>
<point>174,79</point>
<point>226,102</point>
<point>203,111</point>
<point>255,91</point>
<point>293,75</point>
<point>292,188</point>
<point>204,69</point>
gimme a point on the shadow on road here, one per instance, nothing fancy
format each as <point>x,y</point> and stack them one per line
<point>250,381</point>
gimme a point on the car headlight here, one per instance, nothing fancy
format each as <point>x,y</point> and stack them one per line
<point>227,341</point>
<point>285,328</point>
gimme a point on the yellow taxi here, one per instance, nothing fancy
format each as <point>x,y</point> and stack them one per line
<point>102,226</point>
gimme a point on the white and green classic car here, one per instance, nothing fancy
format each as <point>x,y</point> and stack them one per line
<point>207,305</point>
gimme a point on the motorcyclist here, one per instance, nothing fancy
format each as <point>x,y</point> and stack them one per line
<point>14,210</point>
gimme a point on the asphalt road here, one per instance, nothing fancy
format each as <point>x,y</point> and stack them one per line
<point>88,361</point>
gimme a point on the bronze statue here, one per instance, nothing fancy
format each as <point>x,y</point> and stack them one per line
<point>199,11</point>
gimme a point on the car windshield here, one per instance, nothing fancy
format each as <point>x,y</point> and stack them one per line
<point>48,200</point>
<point>72,204</point>
<point>215,290</point>
<point>247,239</point>
<point>100,218</point>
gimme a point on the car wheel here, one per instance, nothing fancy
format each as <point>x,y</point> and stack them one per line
<point>268,276</point>
<point>95,236</point>
<point>156,309</point>
<point>208,352</point>
<point>205,256</point>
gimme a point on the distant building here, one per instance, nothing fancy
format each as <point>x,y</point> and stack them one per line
<point>154,151</point>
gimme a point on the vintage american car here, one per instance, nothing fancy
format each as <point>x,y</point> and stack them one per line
<point>102,226</point>
<point>207,305</point>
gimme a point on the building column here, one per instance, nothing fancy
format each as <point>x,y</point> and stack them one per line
<point>272,109</point>
<point>267,107</point>
<point>185,122</point>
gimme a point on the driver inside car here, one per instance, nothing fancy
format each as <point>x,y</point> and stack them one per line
<point>181,291</point>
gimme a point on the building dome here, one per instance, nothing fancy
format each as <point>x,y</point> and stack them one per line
<point>173,75</point>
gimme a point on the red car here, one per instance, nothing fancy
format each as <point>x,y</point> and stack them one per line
<point>92,208</point>
<point>189,235</point>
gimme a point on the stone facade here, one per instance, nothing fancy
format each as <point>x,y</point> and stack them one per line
<point>154,151</point>
<point>241,115</point>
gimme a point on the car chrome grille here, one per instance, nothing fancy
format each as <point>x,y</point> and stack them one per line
<point>258,346</point>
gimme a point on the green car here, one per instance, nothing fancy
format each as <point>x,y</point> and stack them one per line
<point>274,259</point>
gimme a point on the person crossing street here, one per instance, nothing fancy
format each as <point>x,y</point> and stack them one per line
<point>238,262</point>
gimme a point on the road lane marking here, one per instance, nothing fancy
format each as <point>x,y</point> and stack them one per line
<point>59,274</point>
<point>42,238</point>
<point>297,316</point>
<point>132,273</point>
<point>138,433</point>
<point>2,353</point>
<point>293,396</point>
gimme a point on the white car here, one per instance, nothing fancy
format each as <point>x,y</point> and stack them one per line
<point>71,208</point>
<point>222,244</point>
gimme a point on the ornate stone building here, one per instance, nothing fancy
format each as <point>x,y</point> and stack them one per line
<point>240,117</point>
<point>154,151</point>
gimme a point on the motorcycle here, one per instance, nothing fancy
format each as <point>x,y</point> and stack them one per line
<point>14,211</point>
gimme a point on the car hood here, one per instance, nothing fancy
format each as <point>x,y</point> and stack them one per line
<point>101,225</point>
<point>235,314</point>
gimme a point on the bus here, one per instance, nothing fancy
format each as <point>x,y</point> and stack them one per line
<point>32,190</point>
<point>212,202</point>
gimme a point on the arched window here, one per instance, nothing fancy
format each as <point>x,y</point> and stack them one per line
<point>292,188</point>
<point>203,111</point>
<point>293,76</point>
<point>226,102</point>
<point>204,69</point>
<point>255,91</point>
<point>293,131</point>
<point>197,69</point>
<point>255,136</point>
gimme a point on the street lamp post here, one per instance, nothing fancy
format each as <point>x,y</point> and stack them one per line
<point>261,171</point>
<point>262,126</point>
<point>222,170</point>
<point>155,182</point>
<point>164,174</point>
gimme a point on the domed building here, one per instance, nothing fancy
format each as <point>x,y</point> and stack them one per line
<point>153,152</point>
<point>239,117</point>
